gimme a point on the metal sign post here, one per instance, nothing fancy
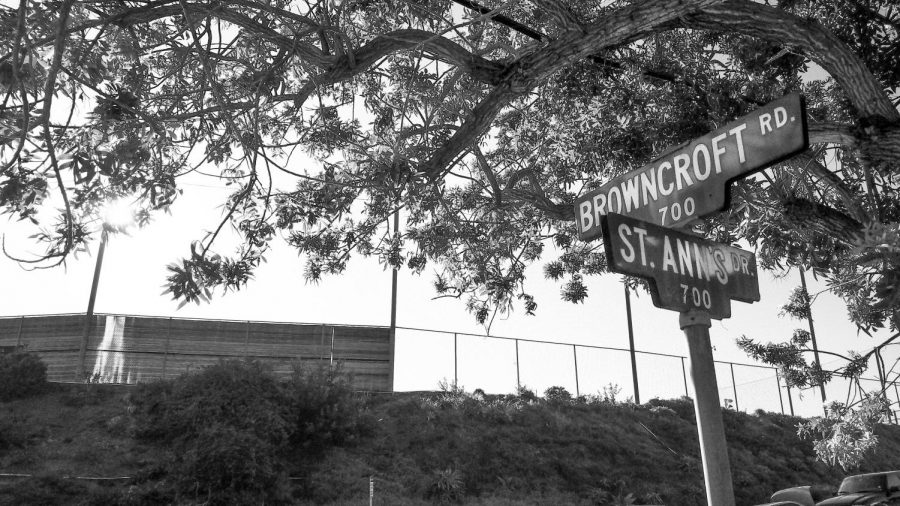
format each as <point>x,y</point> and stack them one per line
<point>713,449</point>
<point>699,279</point>
<point>691,275</point>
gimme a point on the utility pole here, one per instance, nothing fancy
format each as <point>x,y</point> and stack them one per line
<point>393,331</point>
<point>812,328</point>
<point>89,316</point>
<point>634,374</point>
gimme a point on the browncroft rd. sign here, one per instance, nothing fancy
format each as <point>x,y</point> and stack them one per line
<point>691,180</point>
<point>685,272</point>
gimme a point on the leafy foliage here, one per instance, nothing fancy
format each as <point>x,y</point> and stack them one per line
<point>798,305</point>
<point>327,119</point>
<point>448,486</point>
<point>845,436</point>
<point>21,375</point>
<point>557,394</point>
<point>324,410</point>
<point>794,369</point>
<point>225,465</point>
<point>238,394</point>
<point>235,431</point>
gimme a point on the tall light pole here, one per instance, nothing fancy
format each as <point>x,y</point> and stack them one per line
<point>812,328</point>
<point>634,374</point>
<point>116,216</point>
<point>89,316</point>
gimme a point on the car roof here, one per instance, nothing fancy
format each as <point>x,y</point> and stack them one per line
<point>879,473</point>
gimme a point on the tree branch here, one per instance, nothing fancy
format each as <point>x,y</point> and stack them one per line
<point>805,161</point>
<point>560,15</point>
<point>769,23</point>
<point>49,86</point>
<point>522,75</point>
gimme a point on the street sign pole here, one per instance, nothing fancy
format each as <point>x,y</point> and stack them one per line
<point>635,214</point>
<point>716,468</point>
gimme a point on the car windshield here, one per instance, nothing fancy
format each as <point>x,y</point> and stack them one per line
<point>863,483</point>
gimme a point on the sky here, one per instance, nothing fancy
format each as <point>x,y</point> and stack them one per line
<point>134,272</point>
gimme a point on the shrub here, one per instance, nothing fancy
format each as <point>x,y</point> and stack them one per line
<point>525,394</point>
<point>240,394</point>
<point>225,465</point>
<point>557,394</point>
<point>452,396</point>
<point>447,486</point>
<point>683,406</point>
<point>323,410</point>
<point>610,393</point>
<point>226,425</point>
<point>21,375</point>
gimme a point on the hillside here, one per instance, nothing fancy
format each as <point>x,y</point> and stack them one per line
<point>449,447</point>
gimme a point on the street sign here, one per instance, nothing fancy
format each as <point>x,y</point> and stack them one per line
<point>692,180</point>
<point>685,272</point>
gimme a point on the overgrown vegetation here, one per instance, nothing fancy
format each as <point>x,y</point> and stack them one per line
<point>844,437</point>
<point>232,434</point>
<point>21,375</point>
<point>235,432</point>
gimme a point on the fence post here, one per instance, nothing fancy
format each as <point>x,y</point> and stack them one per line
<point>455,362</point>
<point>247,341</point>
<point>896,394</point>
<point>879,361</point>
<point>790,401</point>
<point>734,388</point>
<point>518,380</point>
<point>575,355</point>
<point>684,377</point>
<point>331,362</point>
<point>812,328</point>
<point>166,349</point>
<point>19,332</point>
<point>634,373</point>
<point>321,342</point>
<point>778,383</point>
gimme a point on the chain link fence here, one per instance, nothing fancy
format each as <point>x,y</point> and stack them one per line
<point>504,364</point>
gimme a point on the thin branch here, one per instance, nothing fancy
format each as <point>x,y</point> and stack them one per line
<point>49,86</point>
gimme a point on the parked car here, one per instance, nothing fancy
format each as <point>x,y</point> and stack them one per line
<point>797,495</point>
<point>867,489</point>
<point>808,495</point>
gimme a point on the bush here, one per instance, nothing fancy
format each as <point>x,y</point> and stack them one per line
<point>225,465</point>
<point>231,427</point>
<point>526,395</point>
<point>447,486</point>
<point>323,410</point>
<point>21,375</point>
<point>557,395</point>
<point>683,406</point>
<point>227,425</point>
<point>234,393</point>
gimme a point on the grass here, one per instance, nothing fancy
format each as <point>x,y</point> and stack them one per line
<point>67,432</point>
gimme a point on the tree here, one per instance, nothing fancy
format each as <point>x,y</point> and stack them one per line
<point>480,124</point>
